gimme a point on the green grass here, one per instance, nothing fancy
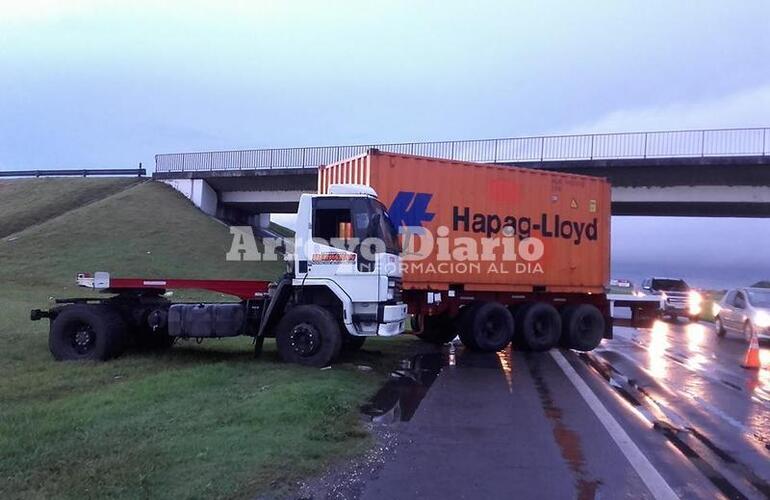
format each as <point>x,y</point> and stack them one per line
<point>198,421</point>
<point>26,202</point>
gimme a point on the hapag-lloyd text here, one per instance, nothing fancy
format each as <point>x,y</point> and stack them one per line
<point>548,225</point>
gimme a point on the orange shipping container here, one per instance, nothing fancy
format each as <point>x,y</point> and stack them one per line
<point>486,227</point>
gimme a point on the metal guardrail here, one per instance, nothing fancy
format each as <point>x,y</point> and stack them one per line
<point>665,144</point>
<point>139,172</point>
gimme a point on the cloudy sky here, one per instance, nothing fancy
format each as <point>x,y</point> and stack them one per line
<point>106,83</point>
<point>96,83</point>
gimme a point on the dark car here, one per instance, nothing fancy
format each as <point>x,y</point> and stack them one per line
<point>678,298</point>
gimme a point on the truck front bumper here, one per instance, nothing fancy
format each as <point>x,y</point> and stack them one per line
<point>393,320</point>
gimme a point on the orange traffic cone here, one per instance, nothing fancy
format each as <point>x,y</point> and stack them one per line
<point>751,361</point>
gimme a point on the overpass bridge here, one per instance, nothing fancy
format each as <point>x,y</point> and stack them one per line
<point>714,172</point>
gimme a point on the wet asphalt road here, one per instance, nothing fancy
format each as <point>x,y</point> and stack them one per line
<point>513,424</point>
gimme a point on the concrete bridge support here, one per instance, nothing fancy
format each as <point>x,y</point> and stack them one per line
<point>243,199</point>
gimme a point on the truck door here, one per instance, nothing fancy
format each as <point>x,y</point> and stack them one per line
<point>334,251</point>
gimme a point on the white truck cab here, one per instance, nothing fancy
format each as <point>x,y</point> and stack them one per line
<point>346,244</point>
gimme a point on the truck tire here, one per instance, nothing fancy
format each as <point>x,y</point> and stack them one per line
<point>87,332</point>
<point>583,327</point>
<point>438,329</point>
<point>465,325</point>
<point>309,335</point>
<point>489,327</point>
<point>538,326</point>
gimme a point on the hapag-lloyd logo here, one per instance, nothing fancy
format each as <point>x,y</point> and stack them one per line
<point>410,209</point>
<point>501,254</point>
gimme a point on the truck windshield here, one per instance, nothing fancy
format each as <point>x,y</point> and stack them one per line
<point>670,285</point>
<point>372,221</point>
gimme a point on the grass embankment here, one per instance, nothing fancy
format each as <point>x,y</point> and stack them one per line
<point>197,421</point>
<point>26,202</point>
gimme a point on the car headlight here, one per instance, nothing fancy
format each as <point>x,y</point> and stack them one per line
<point>694,303</point>
<point>762,319</point>
<point>715,309</point>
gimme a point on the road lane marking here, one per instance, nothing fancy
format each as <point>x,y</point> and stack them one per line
<point>658,486</point>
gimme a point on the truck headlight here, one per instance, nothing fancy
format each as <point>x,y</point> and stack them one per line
<point>762,319</point>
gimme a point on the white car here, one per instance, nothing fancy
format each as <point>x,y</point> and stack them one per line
<point>745,310</point>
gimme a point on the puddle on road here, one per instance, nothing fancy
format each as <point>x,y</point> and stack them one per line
<point>402,394</point>
<point>567,439</point>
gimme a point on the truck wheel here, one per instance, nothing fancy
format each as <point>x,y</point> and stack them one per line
<point>720,328</point>
<point>539,326</point>
<point>465,325</point>
<point>352,343</point>
<point>489,326</point>
<point>438,329</point>
<point>583,327</point>
<point>308,335</point>
<point>87,331</point>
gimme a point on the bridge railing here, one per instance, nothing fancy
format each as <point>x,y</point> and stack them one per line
<point>663,144</point>
<point>82,172</point>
